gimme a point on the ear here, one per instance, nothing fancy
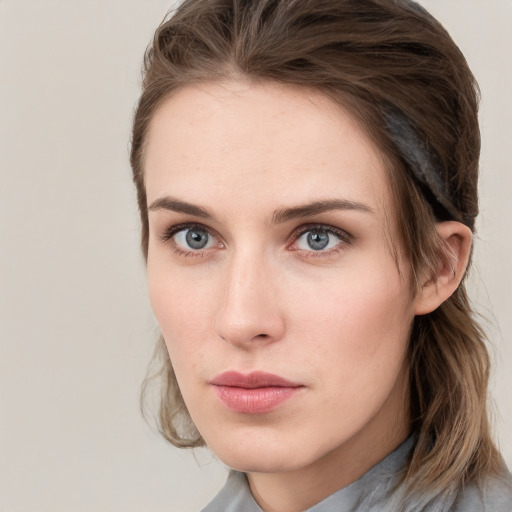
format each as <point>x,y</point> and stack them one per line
<point>451,267</point>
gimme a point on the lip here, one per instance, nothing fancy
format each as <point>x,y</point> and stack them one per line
<point>254,393</point>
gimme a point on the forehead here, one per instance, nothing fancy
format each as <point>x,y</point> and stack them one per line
<point>260,143</point>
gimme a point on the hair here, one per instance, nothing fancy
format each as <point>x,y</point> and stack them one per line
<point>371,57</point>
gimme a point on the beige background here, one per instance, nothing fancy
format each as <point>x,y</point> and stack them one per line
<point>76,330</point>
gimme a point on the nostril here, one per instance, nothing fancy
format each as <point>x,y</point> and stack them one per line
<point>261,337</point>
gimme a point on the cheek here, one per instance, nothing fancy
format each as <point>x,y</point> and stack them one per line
<point>358,328</point>
<point>181,307</point>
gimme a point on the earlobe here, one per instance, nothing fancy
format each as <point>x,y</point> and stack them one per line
<point>452,266</point>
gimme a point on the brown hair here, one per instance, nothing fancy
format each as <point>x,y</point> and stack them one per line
<point>373,57</point>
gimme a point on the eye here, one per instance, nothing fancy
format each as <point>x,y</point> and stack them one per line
<point>193,238</point>
<point>320,239</point>
<point>190,238</point>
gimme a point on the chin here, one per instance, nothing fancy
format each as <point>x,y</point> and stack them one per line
<point>262,453</point>
<point>258,462</point>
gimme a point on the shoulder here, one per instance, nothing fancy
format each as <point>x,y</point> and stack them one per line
<point>494,495</point>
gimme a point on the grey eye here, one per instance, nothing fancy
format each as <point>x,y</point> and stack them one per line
<point>317,239</point>
<point>194,238</point>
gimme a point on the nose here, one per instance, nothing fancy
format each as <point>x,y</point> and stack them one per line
<point>249,310</point>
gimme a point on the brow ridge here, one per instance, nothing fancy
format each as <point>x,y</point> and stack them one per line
<point>279,216</point>
<point>315,208</point>
<point>176,205</point>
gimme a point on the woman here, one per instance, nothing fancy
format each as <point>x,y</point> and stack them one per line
<point>307,181</point>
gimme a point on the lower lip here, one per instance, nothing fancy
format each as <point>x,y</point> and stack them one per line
<point>255,400</point>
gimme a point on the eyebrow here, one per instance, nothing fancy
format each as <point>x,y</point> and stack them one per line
<point>175,205</point>
<point>308,210</point>
<point>279,216</point>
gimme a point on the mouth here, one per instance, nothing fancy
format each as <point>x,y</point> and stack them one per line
<point>254,393</point>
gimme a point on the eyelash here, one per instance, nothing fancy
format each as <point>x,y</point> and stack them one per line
<point>345,239</point>
<point>167,238</point>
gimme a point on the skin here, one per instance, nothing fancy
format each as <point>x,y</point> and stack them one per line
<point>258,297</point>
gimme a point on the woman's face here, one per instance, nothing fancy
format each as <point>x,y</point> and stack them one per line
<point>272,276</point>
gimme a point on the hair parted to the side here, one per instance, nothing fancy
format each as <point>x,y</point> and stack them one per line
<point>369,56</point>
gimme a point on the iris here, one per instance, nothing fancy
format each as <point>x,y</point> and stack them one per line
<point>196,238</point>
<point>318,240</point>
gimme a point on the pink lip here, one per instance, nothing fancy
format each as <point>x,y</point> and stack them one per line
<point>254,393</point>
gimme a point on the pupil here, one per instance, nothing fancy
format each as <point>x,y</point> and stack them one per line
<point>318,240</point>
<point>196,239</point>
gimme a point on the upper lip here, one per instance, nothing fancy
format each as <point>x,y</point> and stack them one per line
<point>252,380</point>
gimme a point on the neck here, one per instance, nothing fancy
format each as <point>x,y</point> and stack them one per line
<point>298,490</point>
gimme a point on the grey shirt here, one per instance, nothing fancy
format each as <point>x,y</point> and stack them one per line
<point>375,492</point>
